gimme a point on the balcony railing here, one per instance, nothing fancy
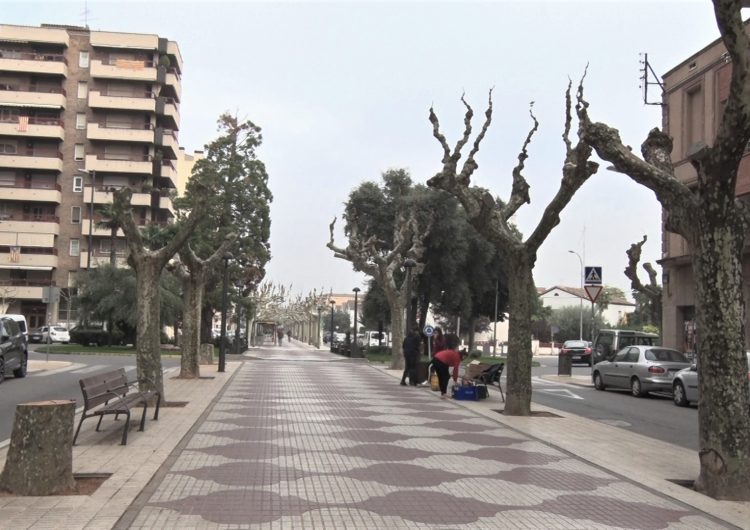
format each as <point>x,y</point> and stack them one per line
<point>32,56</point>
<point>39,218</point>
<point>126,126</point>
<point>145,94</point>
<point>31,152</point>
<point>40,90</point>
<point>32,186</point>
<point>27,283</point>
<point>129,63</point>
<point>170,132</point>
<point>37,251</point>
<point>34,121</point>
<point>124,158</point>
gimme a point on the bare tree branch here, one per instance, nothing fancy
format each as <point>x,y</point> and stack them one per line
<point>520,192</point>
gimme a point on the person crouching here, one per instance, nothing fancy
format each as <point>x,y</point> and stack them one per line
<point>445,359</point>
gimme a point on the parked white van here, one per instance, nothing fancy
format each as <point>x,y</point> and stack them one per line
<point>21,321</point>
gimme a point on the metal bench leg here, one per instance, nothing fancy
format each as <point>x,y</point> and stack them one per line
<point>501,391</point>
<point>99,423</point>
<point>125,429</point>
<point>83,417</point>
<point>143,416</point>
<point>158,402</point>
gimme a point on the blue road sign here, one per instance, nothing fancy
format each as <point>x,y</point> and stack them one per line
<point>592,275</point>
<point>429,330</point>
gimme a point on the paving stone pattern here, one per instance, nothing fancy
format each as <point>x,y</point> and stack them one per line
<point>307,444</point>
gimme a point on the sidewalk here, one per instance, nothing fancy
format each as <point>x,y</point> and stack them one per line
<point>297,437</point>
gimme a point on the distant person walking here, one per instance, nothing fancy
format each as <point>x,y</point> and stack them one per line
<point>289,335</point>
<point>446,359</point>
<point>280,335</point>
<point>411,356</point>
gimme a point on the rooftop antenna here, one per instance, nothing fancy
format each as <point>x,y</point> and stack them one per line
<point>649,78</point>
<point>85,13</point>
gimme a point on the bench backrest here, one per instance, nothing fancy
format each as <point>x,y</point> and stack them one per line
<point>95,387</point>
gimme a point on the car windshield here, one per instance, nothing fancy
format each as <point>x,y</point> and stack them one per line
<point>575,344</point>
<point>633,340</point>
<point>59,328</point>
<point>665,355</point>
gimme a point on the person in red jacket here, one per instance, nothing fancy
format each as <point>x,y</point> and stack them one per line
<point>444,360</point>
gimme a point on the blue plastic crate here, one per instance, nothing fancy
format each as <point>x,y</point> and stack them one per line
<point>466,393</point>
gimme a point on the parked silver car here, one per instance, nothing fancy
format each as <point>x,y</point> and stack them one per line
<point>642,369</point>
<point>685,385</point>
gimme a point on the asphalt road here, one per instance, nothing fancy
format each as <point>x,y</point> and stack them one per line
<point>655,416</point>
<point>58,384</point>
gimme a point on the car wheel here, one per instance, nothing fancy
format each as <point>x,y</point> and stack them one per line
<point>678,395</point>
<point>598,383</point>
<point>21,370</point>
<point>635,387</point>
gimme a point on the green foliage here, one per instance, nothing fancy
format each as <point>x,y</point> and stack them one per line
<point>568,320</point>
<point>375,309</point>
<point>240,203</point>
<point>107,294</point>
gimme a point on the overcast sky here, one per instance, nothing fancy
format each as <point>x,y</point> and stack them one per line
<point>342,92</point>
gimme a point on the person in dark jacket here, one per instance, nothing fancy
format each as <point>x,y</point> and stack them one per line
<point>411,345</point>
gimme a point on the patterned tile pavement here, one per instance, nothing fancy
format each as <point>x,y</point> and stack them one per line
<point>298,443</point>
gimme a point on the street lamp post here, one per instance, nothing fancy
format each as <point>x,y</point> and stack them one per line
<point>355,345</point>
<point>580,324</point>
<point>333,303</point>
<point>318,327</point>
<point>92,174</point>
<point>494,324</point>
<point>224,295</point>
<point>409,264</point>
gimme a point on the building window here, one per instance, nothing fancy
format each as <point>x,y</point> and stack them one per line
<point>83,90</point>
<point>693,118</point>
<point>80,120</point>
<point>7,147</point>
<point>78,184</point>
<point>75,247</point>
<point>75,215</point>
<point>83,59</point>
<point>78,152</point>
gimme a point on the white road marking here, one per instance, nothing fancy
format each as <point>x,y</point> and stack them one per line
<point>45,373</point>
<point>564,392</point>
<point>92,368</point>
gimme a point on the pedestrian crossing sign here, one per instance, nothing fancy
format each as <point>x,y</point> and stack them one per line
<point>593,276</point>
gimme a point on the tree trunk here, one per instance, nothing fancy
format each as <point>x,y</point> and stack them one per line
<point>724,424</point>
<point>40,456</point>
<point>207,323</point>
<point>521,285</point>
<point>192,302</point>
<point>148,338</point>
<point>472,324</point>
<point>206,355</point>
<point>397,332</point>
<point>113,248</point>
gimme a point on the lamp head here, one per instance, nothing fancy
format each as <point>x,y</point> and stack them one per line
<point>409,263</point>
<point>356,289</point>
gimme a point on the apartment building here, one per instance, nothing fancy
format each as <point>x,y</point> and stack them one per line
<point>82,113</point>
<point>695,92</point>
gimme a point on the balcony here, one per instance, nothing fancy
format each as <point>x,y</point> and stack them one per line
<point>95,231</point>
<point>11,96</point>
<point>32,127</point>
<point>45,259</point>
<point>167,138</point>
<point>168,108</point>
<point>33,63</point>
<point>31,224</point>
<point>165,203</point>
<point>104,195</point>
<point>31,34</point>
<point>127,69</point>
<point>27,192</point>
<point>28,160</point>
<point>21,292</point>
<point>137,101</point>
<point>170,80</point>
<point>169,171</point>
<point>99,131</point>
<point>118,164</point>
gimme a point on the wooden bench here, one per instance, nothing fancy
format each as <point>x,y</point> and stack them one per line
<point>116,395</point>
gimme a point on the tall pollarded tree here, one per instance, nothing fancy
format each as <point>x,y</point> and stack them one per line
<point>651,291</point>
<point>714,222</point>
<point>193,278</point>
<point>148,265</point>
<point>368,256</point>
<point>491,219</point>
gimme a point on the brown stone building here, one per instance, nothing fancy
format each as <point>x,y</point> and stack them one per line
<point>81,113</point>
<point>695,92</point>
